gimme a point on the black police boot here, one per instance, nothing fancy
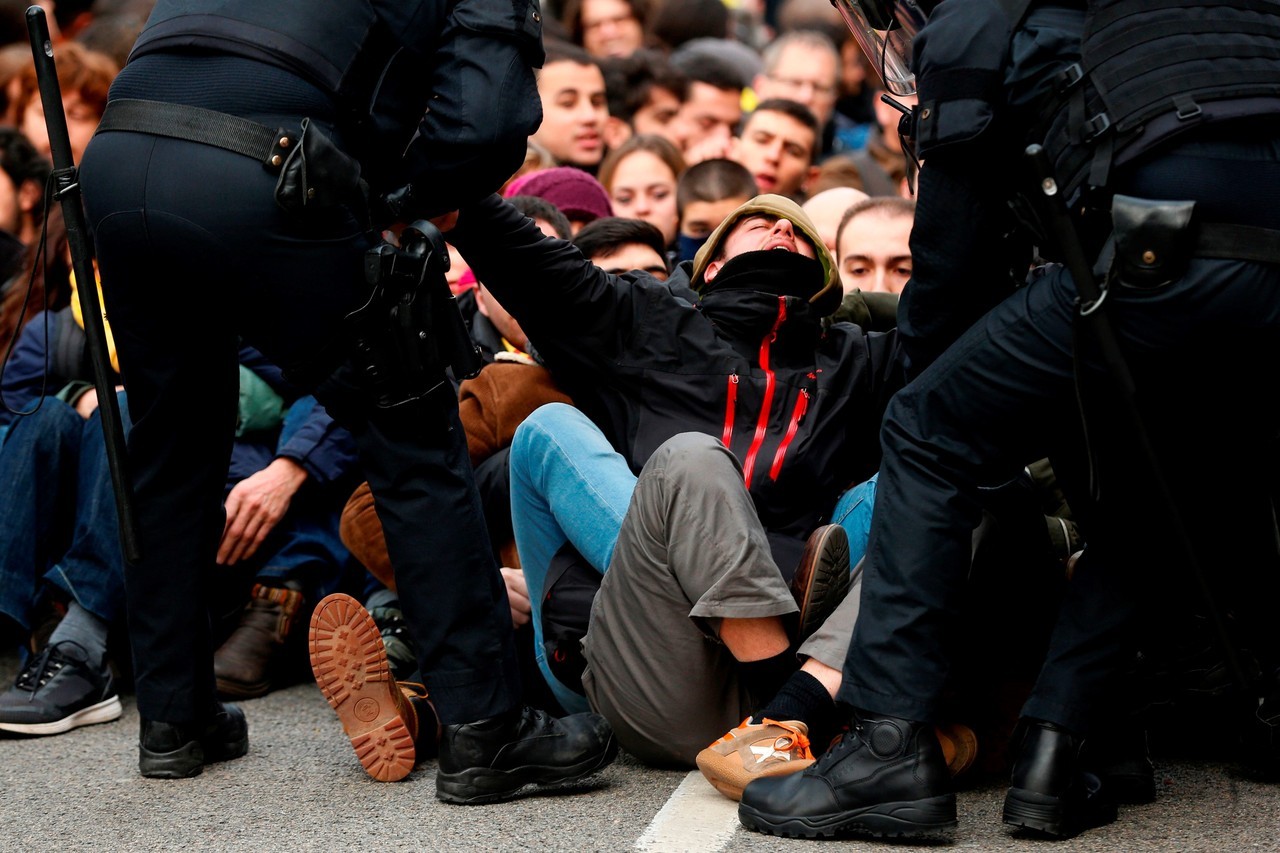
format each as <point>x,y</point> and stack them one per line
<point>1121,759</point>
<point>1051,793</point>
<point>172,751</point>
<point>886,777</point>
<point>491,760</point>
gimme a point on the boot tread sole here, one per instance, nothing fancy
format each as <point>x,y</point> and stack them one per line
<point>349,662</point>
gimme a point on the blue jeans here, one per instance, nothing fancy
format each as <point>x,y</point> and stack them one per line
<point>59,520</point>
<point>568,484</point>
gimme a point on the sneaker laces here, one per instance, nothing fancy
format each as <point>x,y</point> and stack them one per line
<point>41,668</point>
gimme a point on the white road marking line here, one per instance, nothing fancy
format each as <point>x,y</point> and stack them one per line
<point>697,819</point>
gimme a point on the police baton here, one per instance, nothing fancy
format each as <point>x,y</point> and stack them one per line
<point>1052,211</point>
<point>67,191</point>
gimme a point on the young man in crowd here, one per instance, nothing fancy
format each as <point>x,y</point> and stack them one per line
<point>776,144</point>
<point>574,107</point>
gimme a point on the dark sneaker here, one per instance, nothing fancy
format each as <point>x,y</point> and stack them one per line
<point>491,760</point>
<point>350,665</point>
<point>822,579</point>
<point>243,665</point>
<point>178,751</point>
<point>1050,793</point>
<point>58,691</point>
<point>396,640</point>
<point>885,777</point>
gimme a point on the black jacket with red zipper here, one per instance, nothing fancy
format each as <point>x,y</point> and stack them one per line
<point>799,406</point>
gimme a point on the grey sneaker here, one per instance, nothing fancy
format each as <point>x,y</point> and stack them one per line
<point>58,691</point>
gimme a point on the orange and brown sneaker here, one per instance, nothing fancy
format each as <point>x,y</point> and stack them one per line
<point>754,750</point>
<point>350,666</point>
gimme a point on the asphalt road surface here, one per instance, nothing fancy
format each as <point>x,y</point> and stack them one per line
<point>301,788</point>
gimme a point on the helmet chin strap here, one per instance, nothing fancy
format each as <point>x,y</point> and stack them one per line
<point>906,139</point>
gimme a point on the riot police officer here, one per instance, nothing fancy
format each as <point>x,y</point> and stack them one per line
<point>1161,130</point>
<point>233,190</point>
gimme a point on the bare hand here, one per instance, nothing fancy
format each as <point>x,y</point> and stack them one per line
<point>445,221</point>
<point>87,403</point>
<point>255,506</point>
<point>518,595</point>
<point>711,148</point>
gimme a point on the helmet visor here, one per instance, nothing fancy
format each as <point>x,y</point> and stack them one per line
<point>885,29</point>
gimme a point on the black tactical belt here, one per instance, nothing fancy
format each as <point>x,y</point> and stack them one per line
<point>195,124</point>
<point>1237,242</point>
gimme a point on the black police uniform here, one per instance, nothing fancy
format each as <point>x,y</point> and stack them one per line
<point>994,389</point>
<point>194,250</point>
<point>1003,393</point>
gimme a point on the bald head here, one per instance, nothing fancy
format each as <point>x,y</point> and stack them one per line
<point>827,208</point>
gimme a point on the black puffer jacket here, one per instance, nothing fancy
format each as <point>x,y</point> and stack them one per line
<point>799,407</point>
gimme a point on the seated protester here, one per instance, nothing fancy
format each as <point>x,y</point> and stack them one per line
<point>644,94</point>
<point>881,163</point>
<point>706,193</point>
<point>59,535</point>
<point>873,245</point>
<point>579,196</point>
<point>618,246</point>
<point>804,66</point>
<point>640,177</point>
<point>777,144</point>
<point>606,28</point>
<point>84,76</point>
<point>713,109</point>
<point>23,173</point>
<point>574,110</point>
<point>727,428</point>
<point>827,209</point>
<point>47,273</point>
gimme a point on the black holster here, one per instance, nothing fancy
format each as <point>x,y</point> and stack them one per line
<point>1154,242</point>
<point>410,329</point>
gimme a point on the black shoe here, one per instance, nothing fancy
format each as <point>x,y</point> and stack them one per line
<point>492,760</point>
<point>173,751</point>
<point>822,579</point>
<point>397,641</point>
<point>1121,759</point>
<point>886,777</point>
<point>58,691</point>
<point>1051,793</point>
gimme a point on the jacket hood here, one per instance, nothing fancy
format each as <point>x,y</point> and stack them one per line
<point>773,205</point>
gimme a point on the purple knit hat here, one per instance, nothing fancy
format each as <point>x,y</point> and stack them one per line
<point>579,196</point>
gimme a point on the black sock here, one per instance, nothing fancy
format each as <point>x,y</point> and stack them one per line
<point>804,698</point>
<point>763,677</point>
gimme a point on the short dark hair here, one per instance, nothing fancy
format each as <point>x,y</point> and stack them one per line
<point>563,51</point>
<point>22,163</point>
<point>629,81</point>
<point>536,207</point>
<point>714,180</point>
<point>606,235</point>
<point>888,206</point>
<point>712,70</point>
<point>786,106</point>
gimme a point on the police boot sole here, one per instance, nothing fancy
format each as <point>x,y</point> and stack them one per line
<point>479,785</point>
<point>1054,816</point>
<point>350,666</point>
<point>932,816</point>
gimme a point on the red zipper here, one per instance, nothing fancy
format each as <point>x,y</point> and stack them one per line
<point>730,409</point>
<point>748,467</point>
<point>802,405</point>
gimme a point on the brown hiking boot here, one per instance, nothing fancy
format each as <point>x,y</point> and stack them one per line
<point>822,579</point>
<point>753,751</point>
<point>244,663</point>
<point>350,665</point>
<point>959,746</point>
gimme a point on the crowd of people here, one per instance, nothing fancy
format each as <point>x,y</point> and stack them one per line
<point>685,296</point>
